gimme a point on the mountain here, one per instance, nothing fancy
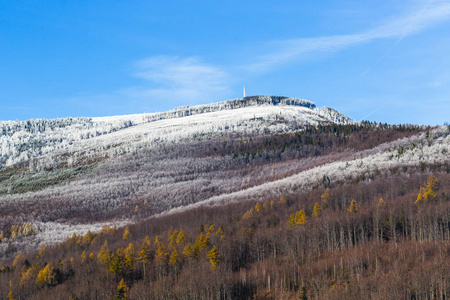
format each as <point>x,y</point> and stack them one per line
<point>277,199</point>
<point>46,143</point>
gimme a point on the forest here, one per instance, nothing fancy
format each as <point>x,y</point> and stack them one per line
<point>381,233</point>
<point>387,239</point>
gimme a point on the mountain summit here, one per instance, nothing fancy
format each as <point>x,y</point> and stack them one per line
<point>47,143</point>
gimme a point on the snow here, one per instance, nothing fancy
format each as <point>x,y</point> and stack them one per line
<point>382,158</point>
<point>48,143</point>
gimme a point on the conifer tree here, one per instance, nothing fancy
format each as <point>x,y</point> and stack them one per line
<point>121,290</point>
<point>181,237</point>
<point>298,218</point>
<point>46,276</point>
<point>220,234</point>
<point>317,210</point>
<point>41,251</point>
<point>353,207</point>
<point>105,255</point>
<point>189,251</point>
<point>145,253</point>
<point>214,257</point>
<point>19,259</point>
<point>161,254</point>
<point>201,243</point>
<point>381,203</point>
<point>10,294</point>
<point>173,235</point>
<point>129,258</point>
<point>87,239</point>
<point>117,263</point>
<point>174,259</point>
<point>126,234</point>
<point>326,198</point>
<point>83,257</point>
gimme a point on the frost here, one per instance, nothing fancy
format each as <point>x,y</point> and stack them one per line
<point>49,143</point>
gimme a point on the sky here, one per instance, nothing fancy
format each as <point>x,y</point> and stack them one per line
<point>383,61</point>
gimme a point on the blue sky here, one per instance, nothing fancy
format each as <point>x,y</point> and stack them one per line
<point>385,61</point>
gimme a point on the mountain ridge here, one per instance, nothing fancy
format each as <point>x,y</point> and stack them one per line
<point>22,141</point>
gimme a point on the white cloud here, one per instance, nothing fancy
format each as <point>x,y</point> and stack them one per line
<point>295,50</point>
<point>174,77</point>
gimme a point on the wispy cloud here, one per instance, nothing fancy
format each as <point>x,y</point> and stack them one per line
<point>302,49</point>
<point>182,80</point>
<point>174,77</point>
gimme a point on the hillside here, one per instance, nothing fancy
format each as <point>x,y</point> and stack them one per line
<point>253,167</point>
<point>46,143</point>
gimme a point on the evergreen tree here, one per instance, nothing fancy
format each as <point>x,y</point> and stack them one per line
<point>121,290</point>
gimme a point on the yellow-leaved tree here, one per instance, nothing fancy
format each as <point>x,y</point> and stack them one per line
<point>201,243</point>
<point>46,276</point>
<point>326,198</point>
<point>121,291</point>
<point>214,258</point>
<point>181,237</point>
<point>381,203</point>
<point>188,251</point>
<point>20,258</point>
<point>105,255</point>
<point>353,207</point>
<point>174,259</point>
<point>145,252</point>
<point>427,192</point>
<point>161,254</point>
<point>317,210</point>
<point>298,218</point>
<point>126,233</point>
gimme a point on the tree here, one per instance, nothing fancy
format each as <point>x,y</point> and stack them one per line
<point>188,251</point>
<point>126,233</point>
<point>20,258</point>
<point>317,210</point>
<point>432,182</point>
<point>121,290</point>
<point>174,259</point>
<point>381,203</point>
<point>105,255</point>
<point>129,258</point>
<point>201,243</point>
<point>161,254</point>
<point>46,276</point>
<point>298,218</point>
<point>214,257</point>
<point>353,207</point>
<point>427,192</point>
<point>83,257</point>
<point>116,264</point>
<point>326,198</point>
<point>181,237</point>
<point>41,251</point>
<point>87,239</point>
<point>10,294</point>
<point>145,253</point>
<point>220,234</point>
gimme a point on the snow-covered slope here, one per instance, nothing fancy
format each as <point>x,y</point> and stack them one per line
<point>48,143</point>
<point>404,153</point>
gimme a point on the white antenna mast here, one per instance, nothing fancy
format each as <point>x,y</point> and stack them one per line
<point>244,90</point>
